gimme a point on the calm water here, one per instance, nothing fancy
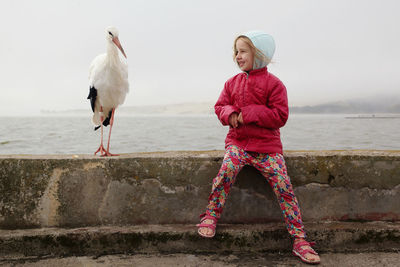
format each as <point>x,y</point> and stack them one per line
<point>75,135</point>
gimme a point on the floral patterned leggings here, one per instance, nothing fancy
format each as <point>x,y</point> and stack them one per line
<point>273,168</point>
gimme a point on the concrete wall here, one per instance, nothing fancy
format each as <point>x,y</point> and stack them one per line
<point>173,187</point>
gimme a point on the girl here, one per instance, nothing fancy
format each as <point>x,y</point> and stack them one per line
<point>254,104</point>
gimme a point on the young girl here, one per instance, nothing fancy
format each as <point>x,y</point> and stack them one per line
<point>254,104</point>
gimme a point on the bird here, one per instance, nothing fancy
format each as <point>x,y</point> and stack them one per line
<point>108,86</point>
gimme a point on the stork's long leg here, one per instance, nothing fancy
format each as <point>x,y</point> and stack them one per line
<point>107,152</point>
<point>101,147</point>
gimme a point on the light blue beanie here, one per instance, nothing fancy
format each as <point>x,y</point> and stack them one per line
<point>263,42</point>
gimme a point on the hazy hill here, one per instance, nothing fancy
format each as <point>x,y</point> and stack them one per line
<point>171,109</point>
<point>382,104</point>
<point>357,106</point>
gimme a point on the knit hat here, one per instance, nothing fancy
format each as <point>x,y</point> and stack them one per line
<point>263,42</point>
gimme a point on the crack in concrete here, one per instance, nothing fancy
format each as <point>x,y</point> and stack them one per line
<point>325,185</point>
<point>168,190</point>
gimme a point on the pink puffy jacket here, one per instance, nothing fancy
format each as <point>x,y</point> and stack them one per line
<point>262,99</point>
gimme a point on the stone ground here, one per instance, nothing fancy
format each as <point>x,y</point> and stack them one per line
<point>391,259</point>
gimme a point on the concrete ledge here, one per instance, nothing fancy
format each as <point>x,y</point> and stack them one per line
<point>173,187</point>
<point>369,259</point>
<point>330,237</point>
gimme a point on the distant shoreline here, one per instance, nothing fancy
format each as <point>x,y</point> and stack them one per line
<point>374,116</point>
<point>345,107</point>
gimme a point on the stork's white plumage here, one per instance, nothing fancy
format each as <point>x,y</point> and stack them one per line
<point>108,82</point>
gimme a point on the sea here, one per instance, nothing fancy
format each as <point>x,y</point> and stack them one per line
<point>148,133</point>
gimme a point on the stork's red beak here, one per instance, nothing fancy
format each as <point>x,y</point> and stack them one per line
<point>118,44</point>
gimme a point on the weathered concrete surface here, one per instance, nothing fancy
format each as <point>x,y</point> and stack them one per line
<point>173,187</point>
<point>374,259</point>
<point>330,237</point>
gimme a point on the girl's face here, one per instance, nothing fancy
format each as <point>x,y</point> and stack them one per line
<point>244,55</point>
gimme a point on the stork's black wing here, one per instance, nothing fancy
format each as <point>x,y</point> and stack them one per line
<point>92,96</point>
<point>106,121</point>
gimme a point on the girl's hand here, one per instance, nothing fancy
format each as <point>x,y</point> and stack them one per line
<point>240,118</point>
<point>233,120</point>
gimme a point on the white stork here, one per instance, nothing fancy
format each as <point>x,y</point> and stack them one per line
<point>108,83</point>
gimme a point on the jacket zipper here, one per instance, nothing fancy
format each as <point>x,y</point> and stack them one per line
<point>245,128</point>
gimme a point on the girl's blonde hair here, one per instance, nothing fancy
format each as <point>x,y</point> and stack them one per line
<point>257,52</point>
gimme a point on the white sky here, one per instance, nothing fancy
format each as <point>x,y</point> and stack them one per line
<point>180,50</point>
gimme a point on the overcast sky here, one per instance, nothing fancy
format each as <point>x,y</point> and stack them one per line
<point>181,50</point>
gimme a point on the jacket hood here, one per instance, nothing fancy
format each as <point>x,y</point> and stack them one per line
<point>263,42</point>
